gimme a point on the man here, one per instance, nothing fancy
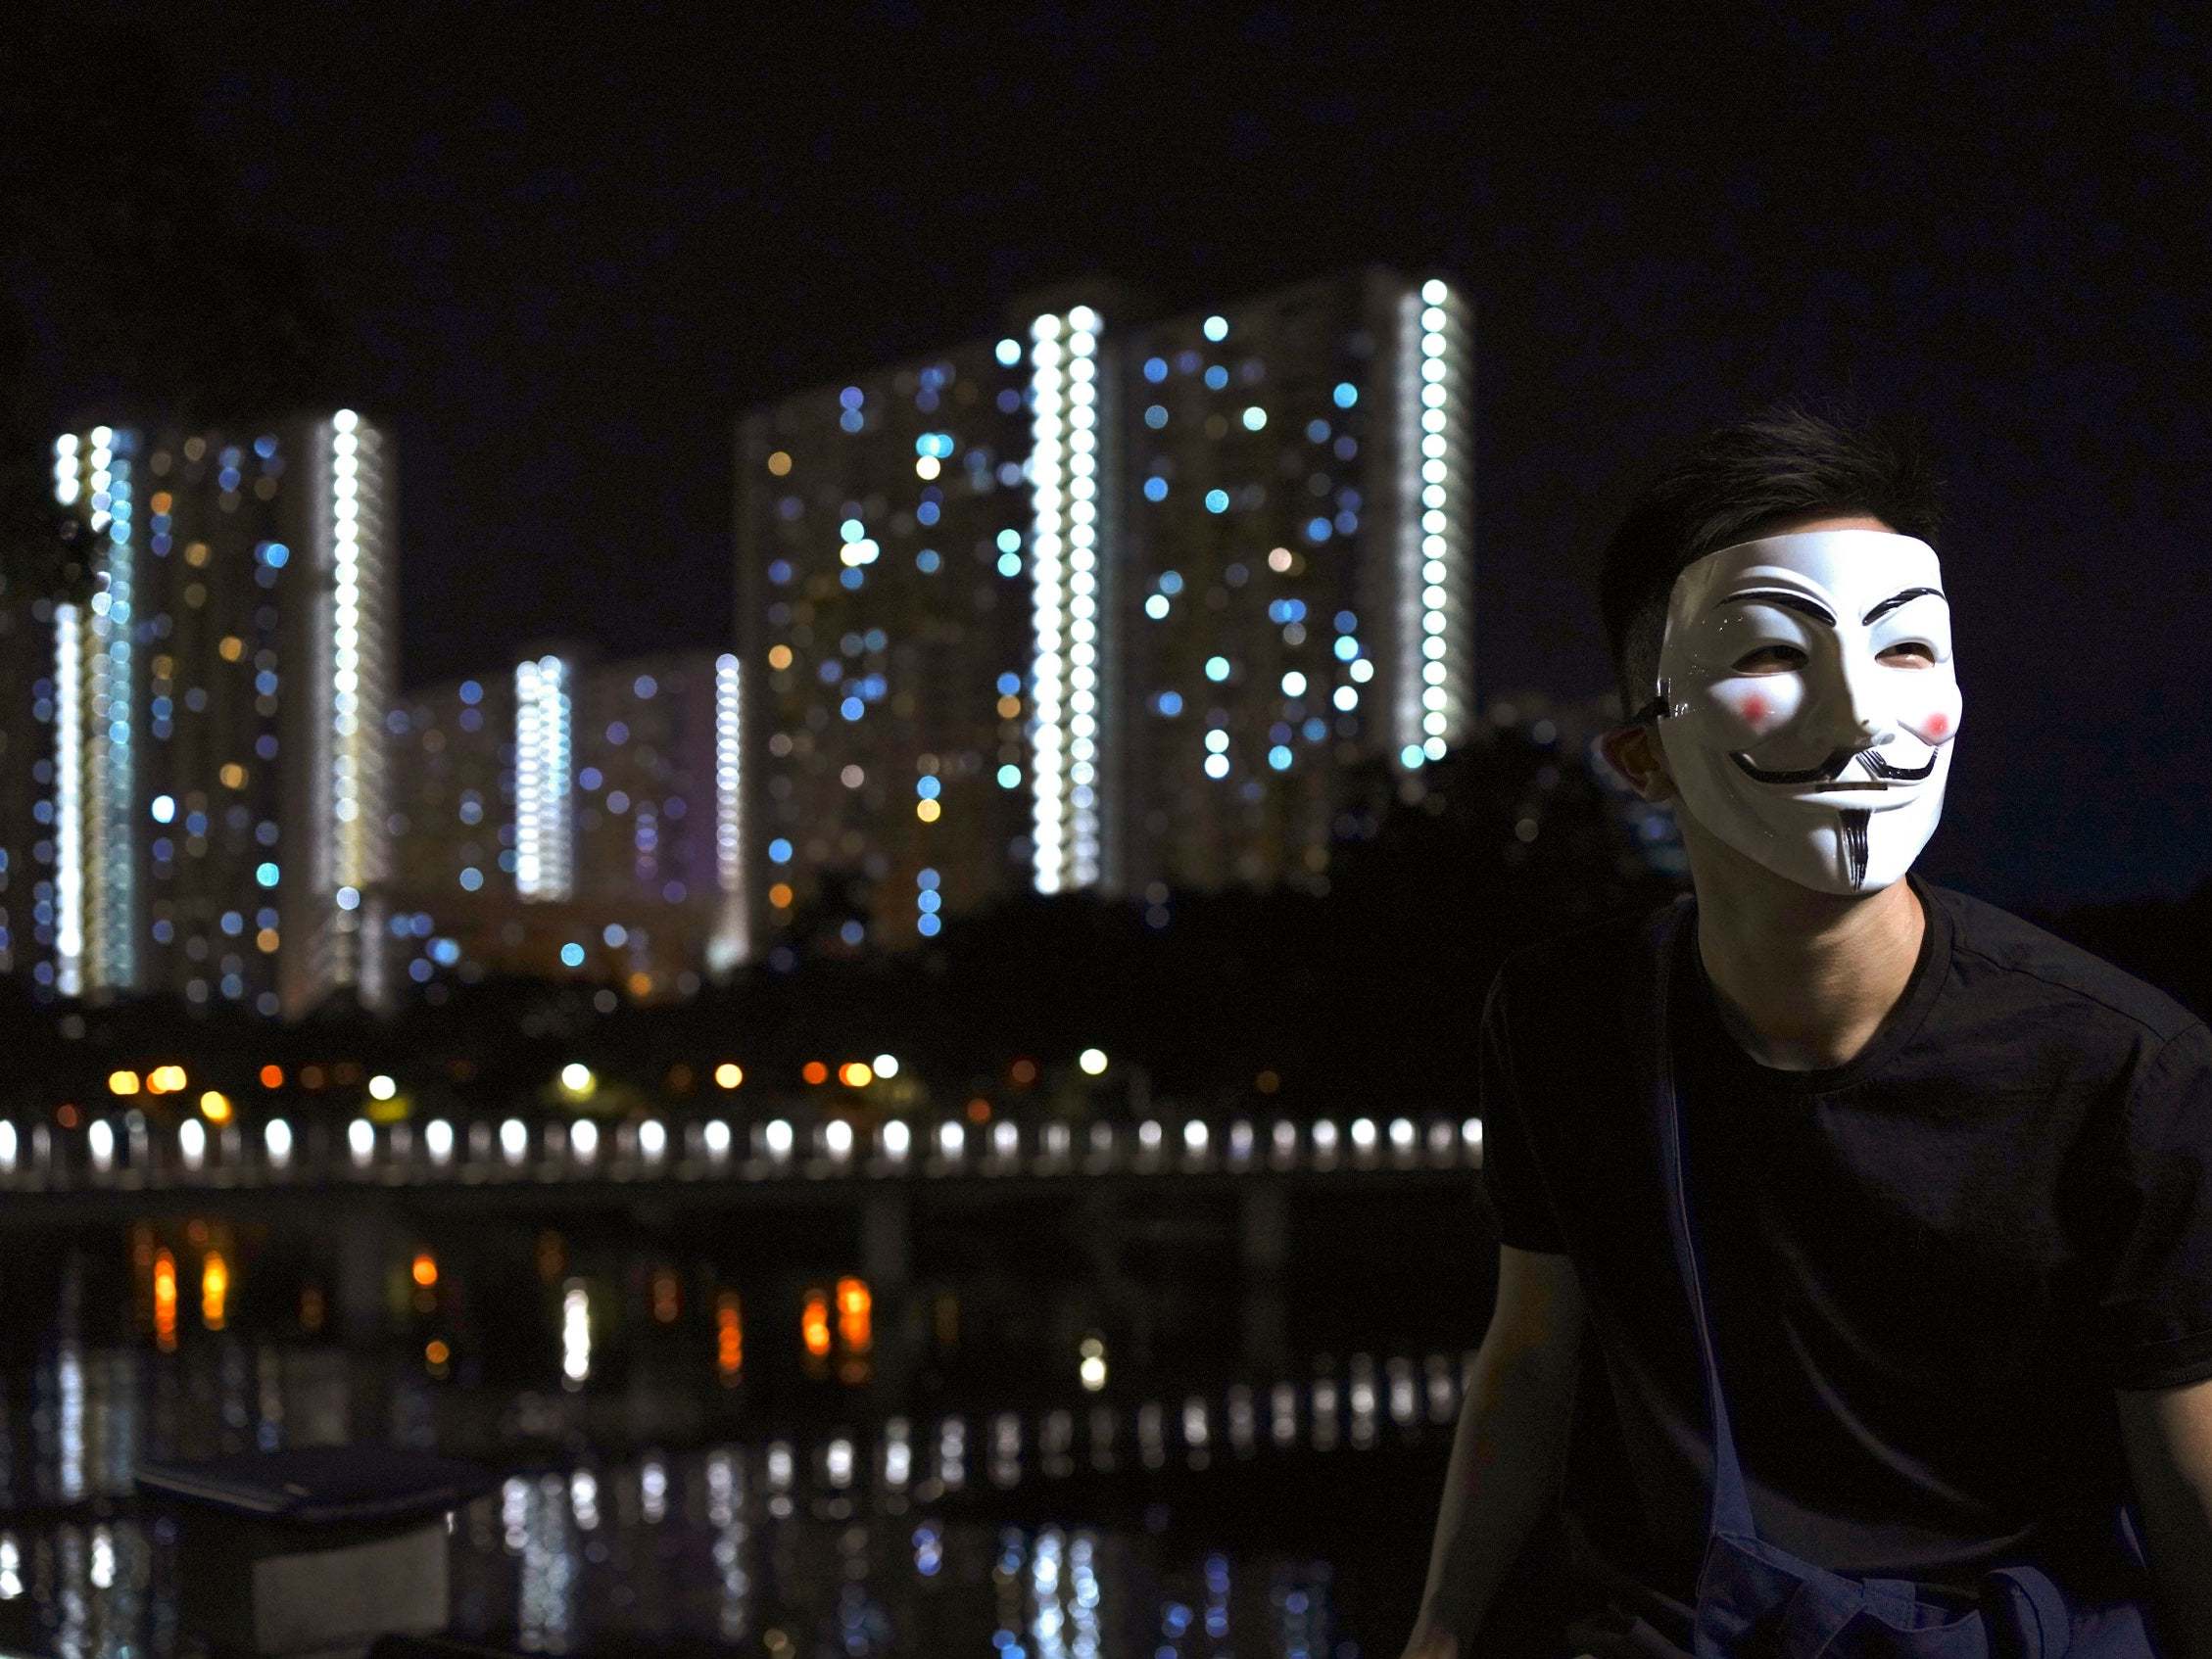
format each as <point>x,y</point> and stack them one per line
<point>1940,1183</point>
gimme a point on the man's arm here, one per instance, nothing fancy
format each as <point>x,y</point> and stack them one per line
<point>2167,1433</point>
<point>1510,1447</point>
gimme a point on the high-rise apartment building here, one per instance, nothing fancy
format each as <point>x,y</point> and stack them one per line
<point>885,631</point>
<point>568,817</point>
<point>1111,602</point>
<point>203,757</point>
<point>1295,564</point>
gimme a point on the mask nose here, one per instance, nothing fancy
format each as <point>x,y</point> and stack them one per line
<point>1859,712</point>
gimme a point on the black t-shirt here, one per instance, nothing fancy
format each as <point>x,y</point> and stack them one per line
<point>1927,1269</point>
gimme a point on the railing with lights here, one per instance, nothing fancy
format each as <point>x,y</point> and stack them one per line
<point>124,1152</point>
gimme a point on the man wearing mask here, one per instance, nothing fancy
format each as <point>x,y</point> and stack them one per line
<point>1869,1224</point>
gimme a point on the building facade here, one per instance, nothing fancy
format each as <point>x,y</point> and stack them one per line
<point>1110,602</point>
<point>204,744</point>
<point>884,617</point>
<point>568,818</point>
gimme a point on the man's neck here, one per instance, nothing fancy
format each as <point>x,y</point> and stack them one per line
<point>1805,979</point>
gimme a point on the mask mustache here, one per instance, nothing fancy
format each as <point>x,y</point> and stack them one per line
<point>1829,769</point>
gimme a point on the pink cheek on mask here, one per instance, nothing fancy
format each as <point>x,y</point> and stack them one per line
<point>1755,711</point>
<point>1938,728</point>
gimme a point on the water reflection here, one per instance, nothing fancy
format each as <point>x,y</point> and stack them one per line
<point>848,1540</point>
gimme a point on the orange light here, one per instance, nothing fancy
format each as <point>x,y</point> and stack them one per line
<point>927,810</point>
<point>234,775</point>
<point>166,1080</point>
<point>856,1074</point>
<point>779,463</point>
<point>425,1269</point>
<point>979,1110</point>
<point>214,1290</point>
<point>1009,707</point>
<point>729,1337</point>
<point>814,1071</point>
<point>265,940</point>
<point>273,1076</point>
<point>215,1106</point>
<point>854,1305</point>
<point>123,1082</point>
<point>1022,1071</point>
<point>779,656</point>
<point>437,1353</point>
<point>232,647</point>
<point>66,1114</point>
<point>814,1325</point>
<point>665,1302</point>
<point>729,1074</point>
<point>780,895</point>
<point>164,1302</point>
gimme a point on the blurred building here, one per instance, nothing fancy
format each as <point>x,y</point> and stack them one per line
<point>1295,569</point>
<point>567,819</point>
<point>884,618</point>
<point>202,771</point>
<point>1109,603</point>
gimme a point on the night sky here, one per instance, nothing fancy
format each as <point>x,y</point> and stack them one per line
<point>569,252</point>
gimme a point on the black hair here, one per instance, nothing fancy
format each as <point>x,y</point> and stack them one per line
<point>1783,462</point>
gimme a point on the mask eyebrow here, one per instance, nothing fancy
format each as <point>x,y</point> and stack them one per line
<point>1786,600</point>
<point>1895,599</point>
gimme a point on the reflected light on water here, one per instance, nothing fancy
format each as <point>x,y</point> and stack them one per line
<point>578,1557</point>
<point>575,1334</point>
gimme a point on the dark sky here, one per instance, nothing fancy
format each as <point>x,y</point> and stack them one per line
<point>572,246</point>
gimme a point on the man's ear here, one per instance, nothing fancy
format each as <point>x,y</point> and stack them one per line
<point>1634,752</point>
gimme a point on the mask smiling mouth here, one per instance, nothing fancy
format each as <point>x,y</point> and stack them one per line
<point>1828,771</point>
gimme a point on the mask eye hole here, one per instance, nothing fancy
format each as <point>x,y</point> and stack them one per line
<point>1772,659</point>
<point>1909,650</point>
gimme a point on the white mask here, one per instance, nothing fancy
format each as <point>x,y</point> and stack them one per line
<point>1826,762</point>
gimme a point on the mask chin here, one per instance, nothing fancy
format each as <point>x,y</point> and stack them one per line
<point>1847,851</point>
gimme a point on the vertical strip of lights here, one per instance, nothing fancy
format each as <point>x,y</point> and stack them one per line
<point>110,957</point>
<point>543,861</point>
<point>1431,695</point>
<point>1064,480</point>
<point>732,945</point>
<point>350,861</point>
<point>68,759</point>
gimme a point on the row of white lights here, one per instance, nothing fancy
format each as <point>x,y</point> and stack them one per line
<point>732,945</point>
<point>579,1142</point>
<point>544,857</point>
<point>349,758</point>
<point>1064,544</point>
<point>1432,514</point>
<point>1402,1393</point>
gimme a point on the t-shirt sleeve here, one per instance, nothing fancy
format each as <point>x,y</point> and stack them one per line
<point>2157,1304</point>
<point>1511,1188</point>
